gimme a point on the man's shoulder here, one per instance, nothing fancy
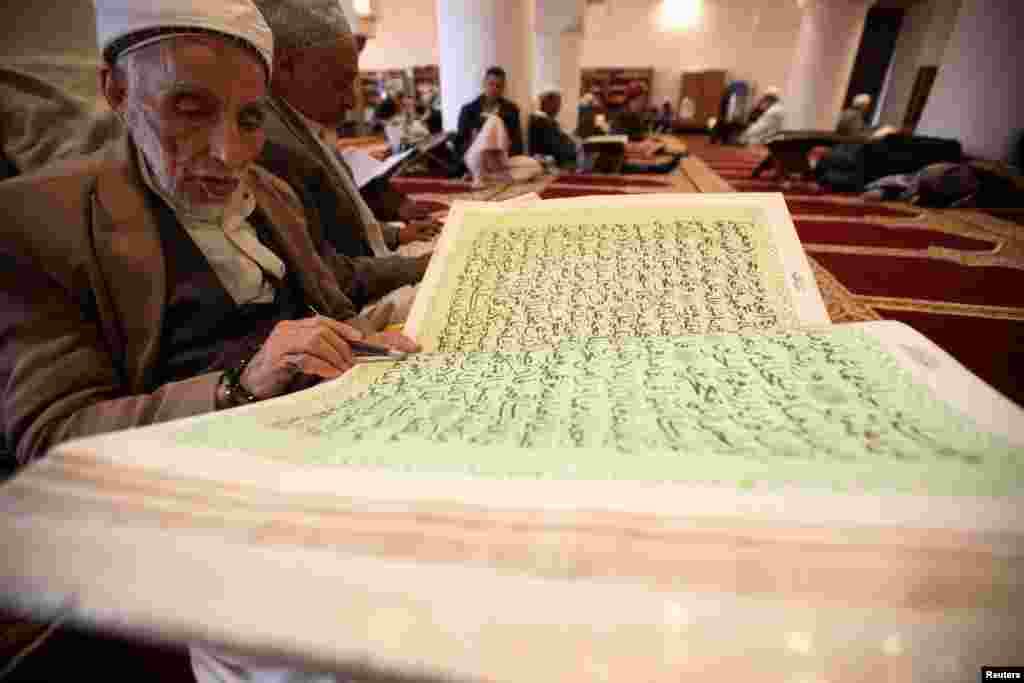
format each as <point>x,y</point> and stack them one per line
<point>67,179</point>
<point>283,159</point>
<point>46,212</point>
<point>538,120</point>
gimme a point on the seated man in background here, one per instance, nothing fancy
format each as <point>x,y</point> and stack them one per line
<point>405,128</point>
<point>473,115</point>
<point>545,136</point>
<point>430,100</point>
<point>634,120</point>
<point>853,121</point>
<point>313,46</point>
<point>665,121</point>
<point>587,117</point>
<point>766,120</point>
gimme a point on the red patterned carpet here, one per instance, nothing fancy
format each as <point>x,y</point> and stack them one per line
<point>955,276</point>
<point>556,192</point>
<point>611,180</point>
<point>865,234</point>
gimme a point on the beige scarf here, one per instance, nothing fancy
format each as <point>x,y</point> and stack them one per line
<point>315,136</point>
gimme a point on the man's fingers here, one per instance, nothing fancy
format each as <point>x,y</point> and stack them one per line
<point>396,341</point>
<point>344,329</point>
<point>337,346</point>
<point>381,314</point>
<point>311,365</point>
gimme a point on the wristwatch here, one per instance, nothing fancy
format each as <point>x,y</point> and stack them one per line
<point>231,382</point>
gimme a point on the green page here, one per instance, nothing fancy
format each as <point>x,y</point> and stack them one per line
<point>826,408</point>
<point>530,278</point>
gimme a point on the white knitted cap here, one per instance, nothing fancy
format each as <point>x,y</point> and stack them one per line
<point>117,21</point>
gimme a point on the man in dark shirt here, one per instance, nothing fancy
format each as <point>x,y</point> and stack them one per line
<point>471,118</point>
<point>634,120</point>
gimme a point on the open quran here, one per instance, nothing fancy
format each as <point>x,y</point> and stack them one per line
<point>633,448</point>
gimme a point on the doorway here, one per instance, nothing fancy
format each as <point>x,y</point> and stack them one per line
<point>874,54</point>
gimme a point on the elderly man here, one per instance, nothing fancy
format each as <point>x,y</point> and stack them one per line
<point>474,115</point>
<point>545,135</point>
<point>316,67</point>
<point>766,120</point>
<point>168,275</point>
<point>853,121</point>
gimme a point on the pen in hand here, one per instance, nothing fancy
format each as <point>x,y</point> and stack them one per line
<point>364,351</point>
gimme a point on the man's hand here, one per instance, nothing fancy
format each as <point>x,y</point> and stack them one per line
<point>316,346</point>
<point>412,210</point>
<point>418,230</point>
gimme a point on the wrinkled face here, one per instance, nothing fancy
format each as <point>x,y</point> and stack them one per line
<point>320,81</point>
<point>195,106</point>
<point>551,104</point>
<point>494,86</point>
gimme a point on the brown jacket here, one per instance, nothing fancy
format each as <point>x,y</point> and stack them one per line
<point>83,292</point>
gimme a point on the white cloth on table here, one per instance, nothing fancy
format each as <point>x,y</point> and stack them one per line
<point>488,160</point>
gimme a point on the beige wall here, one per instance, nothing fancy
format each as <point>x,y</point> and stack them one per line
<point>977,95</point>
<point>923,37</point>
<point>752,39</point>
<point>406,35</point>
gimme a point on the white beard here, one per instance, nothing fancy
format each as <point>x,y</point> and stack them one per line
<point>148,142</point>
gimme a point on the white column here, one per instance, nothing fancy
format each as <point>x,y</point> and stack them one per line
<point>826,48</point>
<point>977,97</point>
<point>571,59</point>
<point>558,38</point>
<point>476,34</point>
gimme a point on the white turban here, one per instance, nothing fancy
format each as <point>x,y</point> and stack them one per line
<point>301,24</point>
<point>118,20</point>
<point>548,90</point>
<point>862,100</point>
